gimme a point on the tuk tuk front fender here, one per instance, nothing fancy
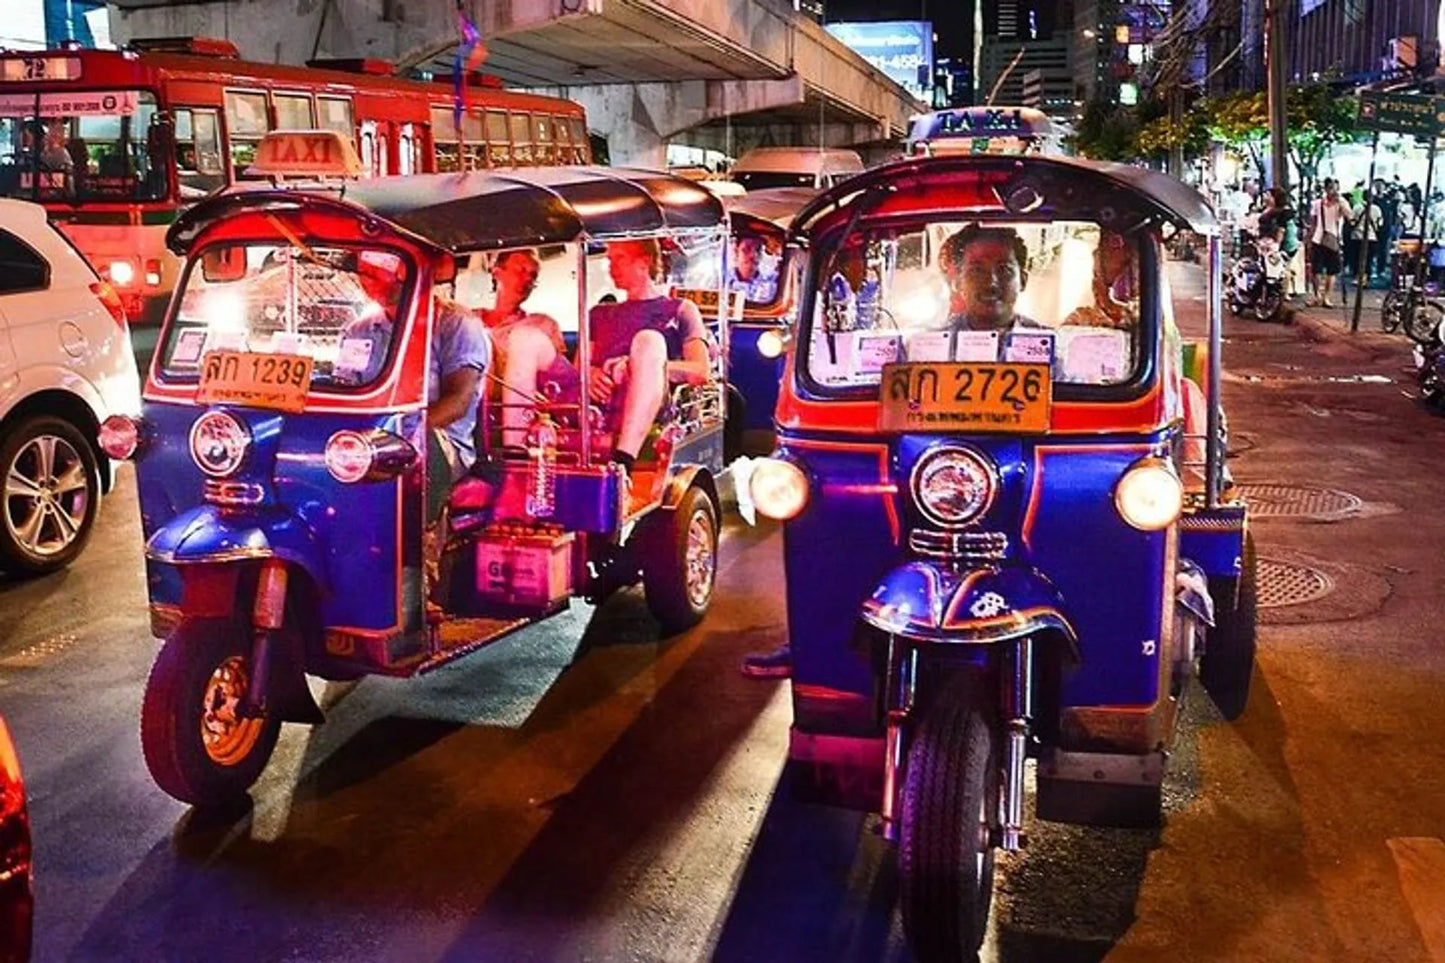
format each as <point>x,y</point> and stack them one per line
<point>931,602</point>
<point>208,535</point>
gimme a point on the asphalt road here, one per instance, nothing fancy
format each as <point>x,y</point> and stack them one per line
<point>587,791</point>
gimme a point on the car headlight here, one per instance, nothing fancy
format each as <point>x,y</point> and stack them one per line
<point>219,443</point>
<point>1150,495</point>
<point>778,487</point>
<point>953,486</point>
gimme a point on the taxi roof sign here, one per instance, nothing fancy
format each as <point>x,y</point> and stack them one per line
<point>306,153</point>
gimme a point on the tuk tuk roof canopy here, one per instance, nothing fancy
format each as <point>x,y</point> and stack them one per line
<point>490,210</point>
<point>778,205</point>
<point>1033,187</point>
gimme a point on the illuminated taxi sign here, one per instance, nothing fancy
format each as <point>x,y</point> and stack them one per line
<point>22,69</point>
<point>981,122</point>
<point>306,153</point>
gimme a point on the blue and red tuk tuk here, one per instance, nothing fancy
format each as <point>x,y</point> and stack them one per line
<point>281,450</point>
<point>1009,533</point>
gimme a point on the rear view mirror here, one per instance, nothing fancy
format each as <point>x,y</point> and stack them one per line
<point>222,264</point>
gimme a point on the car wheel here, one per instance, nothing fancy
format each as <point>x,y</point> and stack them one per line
<point>51,495</point>
<point>679,561</point>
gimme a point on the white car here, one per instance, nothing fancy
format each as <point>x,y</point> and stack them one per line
<point>65,366</point>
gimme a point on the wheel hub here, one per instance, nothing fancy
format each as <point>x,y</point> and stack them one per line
<point>701,559</point>
<point>226,732</point>
<point>46,496</point>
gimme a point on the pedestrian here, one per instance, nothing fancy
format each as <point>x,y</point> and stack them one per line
<point>1328,216</point>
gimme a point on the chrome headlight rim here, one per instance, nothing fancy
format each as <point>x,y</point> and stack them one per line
<point>988,474</point>
<point>1164,467</point>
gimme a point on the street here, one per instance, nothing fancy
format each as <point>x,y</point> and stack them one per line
<point>584,790</point>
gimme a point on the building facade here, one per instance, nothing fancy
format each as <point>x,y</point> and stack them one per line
<point>1005,65</point>
<point>1360,41</point>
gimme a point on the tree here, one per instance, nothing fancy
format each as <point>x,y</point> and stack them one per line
<point>1238,120</point>
<point>1318,118</point>
<point>1106,132</point>
<point>1158,136</point>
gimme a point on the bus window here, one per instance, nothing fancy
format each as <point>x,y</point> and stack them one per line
<point>563,133</point>
<point>383,154</point>
<point>367,139</point>
<point>474,151</point>
<point>406,150</point>
<point>499,144</point>
<point>581,144</point>
<point>102,149</point>
<point>198,152</point>
<point>248,123</point>
<point>444,138</point>
<point>542,135</point>
<point>293,112</point>
<point>335,114</point>
<point>522,139</point>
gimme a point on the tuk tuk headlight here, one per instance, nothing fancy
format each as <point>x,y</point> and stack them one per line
<point>778,487</point>
<point>773,342</point>
<point>354,457</point>
<point>1150,495</point>
<point>219,443</point>
<point>953,486</point>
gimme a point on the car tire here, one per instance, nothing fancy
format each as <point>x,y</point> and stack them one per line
<point>679,561</point>
<point>51,495</point>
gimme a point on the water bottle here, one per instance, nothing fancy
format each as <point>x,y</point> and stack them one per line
<point>542,485</point>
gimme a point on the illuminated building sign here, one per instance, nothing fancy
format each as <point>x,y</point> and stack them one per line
<point>898,48</point>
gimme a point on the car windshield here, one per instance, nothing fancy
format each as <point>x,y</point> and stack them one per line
<point>105,145</point>
<point>1064,292</point>
<point>337,306</point>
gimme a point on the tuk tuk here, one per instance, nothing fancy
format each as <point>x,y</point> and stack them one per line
<point>764,274</point>
<point>1008,529</point>
<point>282,449</point>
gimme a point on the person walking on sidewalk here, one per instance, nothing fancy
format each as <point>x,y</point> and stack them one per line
<point>1328,216</point>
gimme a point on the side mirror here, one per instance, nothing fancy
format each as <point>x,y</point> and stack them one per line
<point>222,264</point>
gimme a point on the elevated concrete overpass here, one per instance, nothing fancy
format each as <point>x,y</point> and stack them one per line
<point>723,74</point>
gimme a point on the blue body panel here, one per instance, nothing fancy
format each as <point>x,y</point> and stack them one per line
<point>1068,547</point>
<point>757,378</point>
<point>361,543</point>
<point>1214,540</point>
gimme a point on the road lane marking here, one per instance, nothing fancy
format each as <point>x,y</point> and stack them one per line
<point>1420,861</point>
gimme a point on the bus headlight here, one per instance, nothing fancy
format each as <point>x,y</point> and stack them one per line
<point>953,486</point>
<point>121,273</point>
<point>1150,495</point>
<point>779,488</point>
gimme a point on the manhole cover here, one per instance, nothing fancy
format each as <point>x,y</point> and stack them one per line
<point>1287,583</point>
<point>1297,501</point>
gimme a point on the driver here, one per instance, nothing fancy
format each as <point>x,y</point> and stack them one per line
<point>986,269</point>
<point>758,286</point>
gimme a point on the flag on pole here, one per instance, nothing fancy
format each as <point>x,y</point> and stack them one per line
<point>469,56</point>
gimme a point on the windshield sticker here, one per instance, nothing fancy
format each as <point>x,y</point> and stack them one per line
<point>227,341</point>
<point>931,346</point>
<point>1029,347</point>
<point>1094,355</point>
<point>287,342</point>
<point>355,354</point>
<point>873,351</point>
<point>189,345</point>
<point>975,346</point>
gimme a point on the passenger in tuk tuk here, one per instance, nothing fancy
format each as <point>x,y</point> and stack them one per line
<point>1115,286</point>
<point>753,275</point>
<point>641,345</point>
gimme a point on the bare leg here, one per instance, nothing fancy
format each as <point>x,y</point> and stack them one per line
<point>525,352</point>
<point>645,390</point>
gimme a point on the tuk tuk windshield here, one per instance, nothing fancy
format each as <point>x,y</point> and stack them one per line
<point>1062,292</point>
<point>338,306</point>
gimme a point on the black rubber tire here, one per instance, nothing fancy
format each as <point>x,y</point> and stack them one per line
<point>15,557</point>
<point>172,716</point>
<point>665,565</point>
<point>1228,661</point>
<point>1391,309</point>
<point>1422,323</point>
<point>1267,307</point>
<point>951,786</point>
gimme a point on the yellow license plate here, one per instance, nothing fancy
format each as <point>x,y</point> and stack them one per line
<point>966,397</point>
<point>256,380</point>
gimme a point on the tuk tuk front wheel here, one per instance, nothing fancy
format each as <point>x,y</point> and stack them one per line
<point>951,788</point>
<point>198,745</point>
<point>679,561</point>
<point>1228,661</point>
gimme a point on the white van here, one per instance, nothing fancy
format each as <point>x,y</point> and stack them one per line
<point>820,167</point>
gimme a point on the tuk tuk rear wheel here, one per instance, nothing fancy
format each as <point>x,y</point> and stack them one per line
<point>1228,661</point>
<point>197,745</point>
<point>679,561</point>
<point>950,794</point>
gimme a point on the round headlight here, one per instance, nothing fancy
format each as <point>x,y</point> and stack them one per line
<point>119,436</point>
<point>1150,495</point>
<point>121,273</point>
<point>778,487</point>
<point>772,343</point>
<point>953,486</point>
<point>349,457</point>
<point>219,443</point>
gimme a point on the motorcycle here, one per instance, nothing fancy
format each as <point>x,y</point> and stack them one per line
<point>1257,280</point>
<point>1429,354</point>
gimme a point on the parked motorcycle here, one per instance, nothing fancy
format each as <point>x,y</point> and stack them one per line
<point>1257,280</point>
<point>1430,366</point>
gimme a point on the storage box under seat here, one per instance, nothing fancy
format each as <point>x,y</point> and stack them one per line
<point>516,568</point>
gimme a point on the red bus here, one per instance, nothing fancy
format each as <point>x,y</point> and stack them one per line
<point>114,142</point>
